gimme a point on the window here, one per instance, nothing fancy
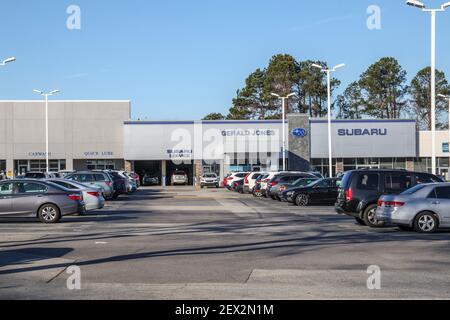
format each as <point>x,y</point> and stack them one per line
<point>368,181</point>
<point>325,184</point>
<point>99,177</point>
<point>83,178</point>
<point>25,187</point>
<point>397,182</point>
<point>100,165</point>
<point>6,189</point>
<point>426,178</point>
<point>65,185</point>
<point>414,189</point>
<point>443,193</point>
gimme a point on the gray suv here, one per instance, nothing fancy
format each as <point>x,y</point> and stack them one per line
<point>95,178</point>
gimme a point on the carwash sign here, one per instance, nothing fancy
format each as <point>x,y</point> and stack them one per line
<point>363,132</point>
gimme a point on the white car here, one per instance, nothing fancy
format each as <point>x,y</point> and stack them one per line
<point>250,181</point>
<point>180,178</point>
<point>235,177</point>
<point>265,182</point>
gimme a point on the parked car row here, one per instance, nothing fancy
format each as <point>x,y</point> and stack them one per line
<point>410,200</point>
<point>375,198</point>
<point>50,197</point>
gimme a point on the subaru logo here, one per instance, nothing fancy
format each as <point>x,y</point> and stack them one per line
<point>299,132</point>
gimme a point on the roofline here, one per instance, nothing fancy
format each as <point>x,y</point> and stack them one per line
<point>54,100</point>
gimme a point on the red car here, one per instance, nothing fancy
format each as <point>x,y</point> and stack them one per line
<point>136,177</point>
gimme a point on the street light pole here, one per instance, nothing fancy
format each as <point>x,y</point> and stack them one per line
<point>330,145</point>
<point>433,12</point>
<point>283,99</point>
<point>47,155</point>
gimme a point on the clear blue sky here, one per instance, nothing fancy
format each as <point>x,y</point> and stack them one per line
<point>179,59</point>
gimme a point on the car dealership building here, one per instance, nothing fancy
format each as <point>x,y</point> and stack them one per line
<point>101,135</point>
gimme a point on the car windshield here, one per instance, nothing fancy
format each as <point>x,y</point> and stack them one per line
<point>414,189</point>
<point>179,173</point>
<point>209,176</point>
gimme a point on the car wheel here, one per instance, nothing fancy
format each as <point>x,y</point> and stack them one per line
<point>302,200</point>
<point>49,213</point>
<point>360,221</point>
<point>370,217</point>
<point>426,222</point>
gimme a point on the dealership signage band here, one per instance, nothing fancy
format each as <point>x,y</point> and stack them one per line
<point>364,138</point>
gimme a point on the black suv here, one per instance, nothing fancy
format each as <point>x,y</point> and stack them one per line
<point>360,190</point>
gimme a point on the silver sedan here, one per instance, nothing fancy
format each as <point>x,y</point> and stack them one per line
<point>424,208</point>
<point>92,195</point>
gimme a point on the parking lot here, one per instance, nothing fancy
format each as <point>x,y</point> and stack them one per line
<point>184,243</point>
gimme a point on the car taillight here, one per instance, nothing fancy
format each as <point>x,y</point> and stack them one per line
<point>230,178</point>
<point>94,194</point>
<point>390,204</point>
<point>236,184</point>
<point>76,197</point>
<point>273,183</point>
<point>108,183</point>
<point>246,179</point>
<point>349,195</point>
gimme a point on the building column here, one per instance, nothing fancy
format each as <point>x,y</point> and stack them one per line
<point>10,168</point>
<point>198,168</point>
<point>128,166</point>
<point>410,164</point>
<point>339,166</point>
<point>69,164</point>
<point>163,173</point>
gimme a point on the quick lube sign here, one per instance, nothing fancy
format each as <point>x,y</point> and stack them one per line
<point>365,138</point>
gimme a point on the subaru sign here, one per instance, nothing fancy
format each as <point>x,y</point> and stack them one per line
<point>364,139</point>
<point>363,132</point>
<point>299,132</point>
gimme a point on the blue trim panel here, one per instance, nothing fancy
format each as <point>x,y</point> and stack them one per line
<point>259,122</point>
<point>202,122</point>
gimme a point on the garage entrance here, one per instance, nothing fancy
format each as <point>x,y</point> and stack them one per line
<point>188,168</point>
<point>150,168</point>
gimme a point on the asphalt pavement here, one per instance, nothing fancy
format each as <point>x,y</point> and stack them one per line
<point>183,243</point>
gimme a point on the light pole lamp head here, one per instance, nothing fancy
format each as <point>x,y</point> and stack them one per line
<point>339,66</point>
<point>275,95</point>
<point>291,94</point>
<point>317,66</point>
<point>38,92</point>
<point>9,60</point>
<point>54,92</point>
<point>443,96</point>
<point>415,3</point>
<point>445,5</point>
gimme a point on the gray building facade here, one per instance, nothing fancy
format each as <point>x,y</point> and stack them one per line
<point>82,135</point>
